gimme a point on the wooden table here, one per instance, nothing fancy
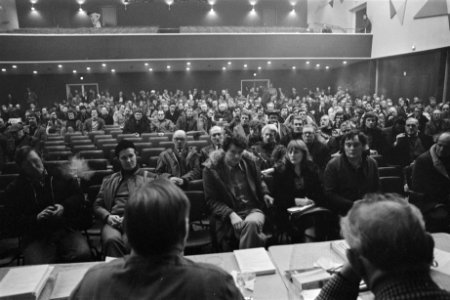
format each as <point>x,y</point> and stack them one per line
<point>267,287</point>
<point>303,256</point>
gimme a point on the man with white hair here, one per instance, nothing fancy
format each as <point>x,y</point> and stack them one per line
<point>216,135</point>
<point>270,137</point>
<point>181,162</point>
<point>389,249</point>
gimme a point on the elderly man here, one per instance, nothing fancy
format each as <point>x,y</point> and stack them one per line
<point>182,163</point>
<point>187,121</point>
<point>216,135</point>
<point>317,149</point>
<point>137,124</point>
<point>409,145</point>
<point>113,196</point>
<point>94,123</point>
<point>431,178</point>
<point>389,249</point>
<point>157,222</point>
<point>350,175</point>
<point>265,149</point>
<point>161,124</point>
<point>45,211</point>
<point>236,196</point>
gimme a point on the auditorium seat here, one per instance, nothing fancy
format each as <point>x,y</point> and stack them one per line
<point>78,148</point>
<point>108,150</point>
<point>79,137</point>
<point>68,136</point>
<point>155,140</point>
<point>149,152</point>
<point>90,178</point>
<point>102,142</point>
<point>59,155</point>
<point>94,133</point>
<point>58,167</point>
<point>54,137</point>
<point>152,161</point>
<point>195,185</point>
<point>166,145</point>
<point>199,144</point>
<point>80,142</point>
<point>125,136</point>
<point>141,145</point>
<point>199,231</point>
<point>10,168</point>
<point>115,133</point>
<point>54,143</point>
<point>56,148</point>
<point>204,137</point>
<point>97,164</point>
<point>6,179</point>
<point>102,137</point>
<point>91,154</point>
<point>135,140</point>
<point>390,171</point>
<point>391,184</point>
<point>147,135</point>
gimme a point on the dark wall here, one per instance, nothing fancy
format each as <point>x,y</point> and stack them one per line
<point>424,75</point>
<point>50,88</point>
<point>359,78</point>
<point>64,13</point>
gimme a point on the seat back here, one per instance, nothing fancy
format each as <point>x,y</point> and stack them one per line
<point>91,154</point>
<point>6,179</point>
<point>391,184</point>
<point>199,209</point>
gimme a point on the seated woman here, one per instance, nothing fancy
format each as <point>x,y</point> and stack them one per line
<point>295,183</point>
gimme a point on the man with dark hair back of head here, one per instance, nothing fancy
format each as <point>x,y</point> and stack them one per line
<point>44,210</point>
<point>236,195</point>
<point>109,206</point>
<point>157,224</point>
<point>389,249</point>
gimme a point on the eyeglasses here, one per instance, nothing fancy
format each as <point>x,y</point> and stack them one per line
<point>308,133</point>
<point>216,134</point>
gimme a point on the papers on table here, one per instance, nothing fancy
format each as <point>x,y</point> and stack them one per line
<point>25,282</point>
<point>255,260</point>
<point>340,248</point>
<point>66,281</point>
<point>442,260</point>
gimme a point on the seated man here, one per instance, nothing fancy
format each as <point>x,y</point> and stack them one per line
<point>317,149</point>
<point>161,124</point>
<point>350,175</point>
<point>45,211</point>
<point>187,121</point>
<point>216,135</point>
<point>156,223</point>
<point>113,197</point>
<point>182,163</point>
<point>236,195</point>
<point>94,123</point>
<point>389,249</point>
<point>137,123</point>
<point>431,178</point>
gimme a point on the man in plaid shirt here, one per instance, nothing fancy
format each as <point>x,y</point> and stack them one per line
<point>389,250</point>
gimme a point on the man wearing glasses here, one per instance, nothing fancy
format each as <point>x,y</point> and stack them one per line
<point>350,175</point>
<point>161,124</point>
<point>181,162</point>
<point>409,145</point>
<point>317,149</point>
<point>217,135</point>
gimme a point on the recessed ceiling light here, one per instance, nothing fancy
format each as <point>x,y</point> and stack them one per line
<point>103,65</point>
<point>294,67</point>
<point>318,65</point>
<point>259,68</point>
<point>327,67</point>
<point>60,66</point>
<point>229,63</point>
<point>344,62</point>
<point>223,68</point>
<point>3,70</point>
<point>245,65</point>
<point>146,64</point>
<point>14,66</point>
<point>81,78</point>
<point>150,70</point>
<point>32,8</point>
<point>188,69</point>
<point>254,74</point>
<point>74,71</point>
<point>269,62</point>
<point>168,67</point>
<point>113,70</point>
<point>307,62</point>
<point>35,72</point>
<point>188,63</point>
<point>88,68</point>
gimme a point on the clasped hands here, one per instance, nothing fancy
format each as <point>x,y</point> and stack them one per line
<point>114,221</point>
<point>51,211</point>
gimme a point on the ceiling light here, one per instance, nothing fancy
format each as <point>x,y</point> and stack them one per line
<point>60,66</point>
<point>318,66</point>
<point>88,68</point>
<point>35,72</point>
<point>259,68</point>
<point>307,62</point>
<point>32,8</point>
<point>327,67</point>
<point>245,65</point>
<point>113,70</point>
<point>229,63</point>
<point>254,74</point>
<point>344,62</point>
<point>81,78</point>
<point>74,71</point>
<point>168,67</point>
<point>188,69</point>
<point>223,68</point>
<point>3,70</point>
<point>14,66</point>
<point>269,62</point>
<point>150,70</point>
<point>146,64</point>
<point>294,67</point>
<point>188,63</point>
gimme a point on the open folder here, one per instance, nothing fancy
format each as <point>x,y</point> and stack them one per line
<point>254,260</point>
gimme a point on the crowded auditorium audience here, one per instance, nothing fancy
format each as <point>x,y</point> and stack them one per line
<point>252,155</point>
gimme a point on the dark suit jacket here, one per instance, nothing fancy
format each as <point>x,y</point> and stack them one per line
<point>401,150</point>
<point>167,277</point>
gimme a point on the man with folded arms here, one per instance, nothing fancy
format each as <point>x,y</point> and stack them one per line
<point>156,223</point>
<point>389,250</point>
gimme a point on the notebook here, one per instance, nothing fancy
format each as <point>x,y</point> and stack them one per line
<point>66,281</point>
<point>25,282</point>
<point>255,260</point>
<point>340,248</point>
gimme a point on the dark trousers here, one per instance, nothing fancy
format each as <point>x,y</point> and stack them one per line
<point>114,242</point>
<point>62,246</point>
